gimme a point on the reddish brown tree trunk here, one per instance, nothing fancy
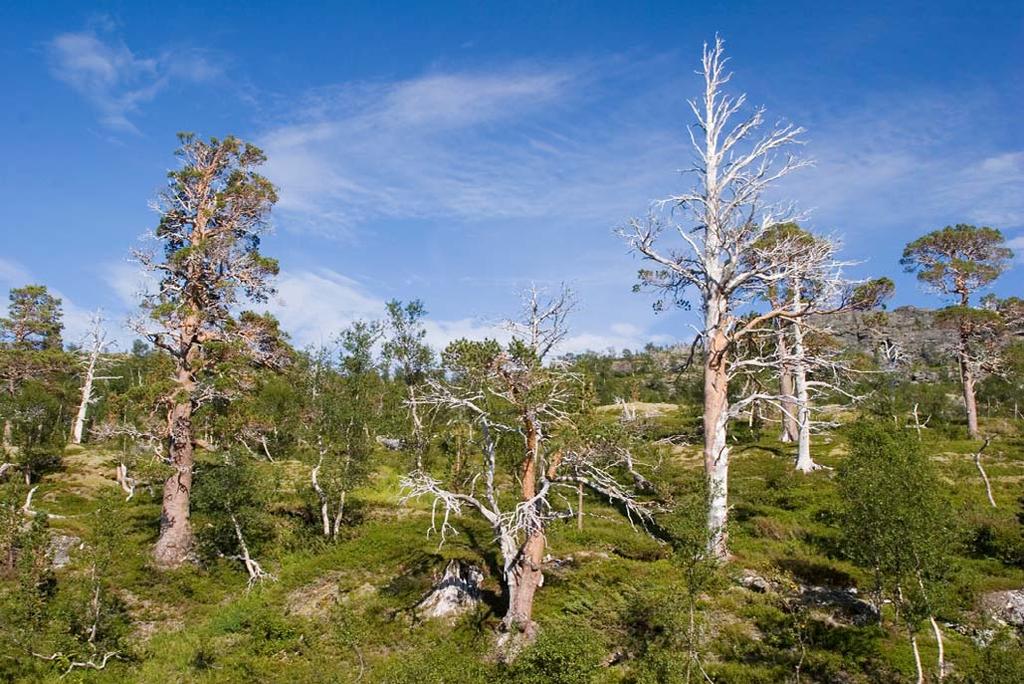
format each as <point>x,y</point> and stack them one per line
<point>716,449</point>
<point>967,378</point>
<point>525,575</point>
<point>523,581</point>
<point>175,542</point>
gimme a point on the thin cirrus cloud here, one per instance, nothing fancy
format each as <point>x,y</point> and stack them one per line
<point>899,167</point>
<point>315,305</point>
<point>517,142</point>
<point>115,80</point>
<point>556,143</point>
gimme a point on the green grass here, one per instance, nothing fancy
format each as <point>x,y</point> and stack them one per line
<point>342,611</point>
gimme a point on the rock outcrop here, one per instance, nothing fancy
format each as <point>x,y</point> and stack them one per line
<point>456,592</point>
<point>1006,607</point>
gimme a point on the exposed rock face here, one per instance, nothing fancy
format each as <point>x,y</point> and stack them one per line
<point>910,331</point>
<point>390,443</point>
<point>1006,607</point>
<point>60,548</point>
<point>842,603</point>
<point>457,591</point>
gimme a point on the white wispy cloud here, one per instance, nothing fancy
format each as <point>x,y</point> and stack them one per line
<point>76,318</point>
<point>13,274</point>
<point>904,163</point>
<point>116,81</point>
<point>128,281</point>
<point>313,306</point>
<point>1017,245</point>
<point>504,143</point>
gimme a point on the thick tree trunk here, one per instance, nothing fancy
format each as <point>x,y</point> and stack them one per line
<point>790,425</point>
<point>716,448</point>
<point>523,580</point>
<point>175,542</point>
<point>524,575</point>
<point>970,403</point>
<point>804,462</point>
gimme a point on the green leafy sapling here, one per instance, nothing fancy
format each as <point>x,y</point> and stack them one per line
<point>897,524</point>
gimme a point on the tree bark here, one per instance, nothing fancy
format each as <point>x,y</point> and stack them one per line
<point>917,658</point>
<point>76,433</point>
<point>579,507</point>
<point>967,378</point>
<point>524,575</point>
<point>790,425</point>
<point>970,402</point>
<point>804,462</point>
<point>339,515</point>
<point>325,518</point>
<point>716,448</point>
<point>175,542</point>
<point>941,646</point>
<point>523,579</point>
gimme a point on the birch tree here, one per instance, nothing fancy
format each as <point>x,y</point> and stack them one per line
<point>91,359</point>
<point>213,214</point>
<point>514,398</point>
<point>897,525</point>
<point>341,402</point>
<point>406,352</point>
<point>737,160</point>
<point>956,262</point>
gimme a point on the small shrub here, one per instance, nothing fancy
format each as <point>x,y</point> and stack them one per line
<point>563,654</point>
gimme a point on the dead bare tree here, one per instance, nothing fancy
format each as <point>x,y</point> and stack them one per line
<point>256,572</point>
<point>981,470</point>
<point>813,289</point>
<point>735,165</point>
<point>95,346</point>
<point>505,393</point>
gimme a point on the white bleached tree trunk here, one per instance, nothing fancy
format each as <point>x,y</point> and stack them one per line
<point>804,462</point>
<point>94,349</point>
<point>735,164</point>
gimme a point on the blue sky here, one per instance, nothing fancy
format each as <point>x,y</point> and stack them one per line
<point>456,152</point>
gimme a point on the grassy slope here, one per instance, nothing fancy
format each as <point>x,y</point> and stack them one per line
<point>343,612</point>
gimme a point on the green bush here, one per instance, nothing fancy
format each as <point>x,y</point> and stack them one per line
<point>563,654</point>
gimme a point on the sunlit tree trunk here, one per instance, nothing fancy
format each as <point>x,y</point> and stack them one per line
<point>970,402</point>
<point>175,541</point>
<point>804,463</point>
<point>716,448</point>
